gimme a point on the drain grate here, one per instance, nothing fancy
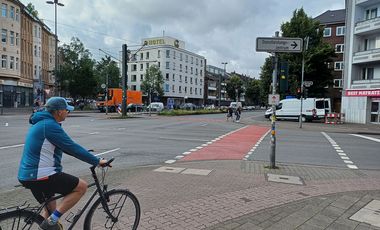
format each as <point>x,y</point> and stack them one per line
<point>284,179</point>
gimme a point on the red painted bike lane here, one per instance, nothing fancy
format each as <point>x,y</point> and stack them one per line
<point>231,147</point>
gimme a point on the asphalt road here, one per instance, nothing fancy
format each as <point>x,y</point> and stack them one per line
<point>142,141</point>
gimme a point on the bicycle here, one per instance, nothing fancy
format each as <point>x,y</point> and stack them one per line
<point>114,209</point>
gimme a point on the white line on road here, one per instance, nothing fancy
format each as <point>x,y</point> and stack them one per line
<point>11,146</point>
<point>109,151</point>
<point>340,152</point>
<point>93,133</point>
<point>365,137</point>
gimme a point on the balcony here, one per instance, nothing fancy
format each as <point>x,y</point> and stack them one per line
<point>366,56</point>
<point>211,97</point>
<point>366,27</point>
<point>211,88</point>
<point>365,3</point>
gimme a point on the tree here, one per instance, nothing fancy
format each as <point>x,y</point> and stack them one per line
<point>153,82</point>
<point>253,92</point>
<point>234,84</point>
<point>76,74</point>
<point>317,55</point>
<point>30,8</point>
<point>105,67</point>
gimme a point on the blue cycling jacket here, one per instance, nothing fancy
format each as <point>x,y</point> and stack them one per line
<point>45,142</point>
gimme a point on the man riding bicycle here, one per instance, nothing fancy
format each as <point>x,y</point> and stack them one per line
<point>40,167</point>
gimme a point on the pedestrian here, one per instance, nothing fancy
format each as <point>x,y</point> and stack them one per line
<point>40,167</point>
<point>238,114</point>
<point>230,112</point>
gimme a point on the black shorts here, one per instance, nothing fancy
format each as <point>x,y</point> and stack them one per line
<point>60,183</point>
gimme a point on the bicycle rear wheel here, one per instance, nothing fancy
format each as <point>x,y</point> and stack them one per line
<point>20,219</point>
<point>122,204</point>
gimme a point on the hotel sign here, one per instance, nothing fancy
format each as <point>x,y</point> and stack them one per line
<point>363,93</point>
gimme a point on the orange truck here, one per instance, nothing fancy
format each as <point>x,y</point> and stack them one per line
<point>115,98</point>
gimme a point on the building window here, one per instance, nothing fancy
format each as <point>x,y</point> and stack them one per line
<point>35,31</point>
<point>159,53</point>
<point>339,48</point>
<point>147,55</point>
<point>173,54</point>
<point>196,91</point>
<point>180,79</point>
<point>4,61</point>
<point>35,51</point>
<point>12,63</point>
<point>12,38</point>
<point>147,65</point>
<point>187,58</point>
<point>180,56</point>
<point>141,77</point>
<point>12,12</point>
<point>200,91</point>
<point>173,77</point>
<point>367,73</point>
<point>167,65</point>
<point>17,15</point>
<point>327,32</point>
<point>16,63</point>
<point>185,79</point>
<point>338,66</point>
<point>337,83</point>
<point>134,67</point>
<point>166,87</point>
<point>141,67</point>
<point>179,89</point>
<point>173,65</point>
<point>141,56</point>
<point>17,39</point>
<point>168,53</point>
<point>133,87</point>
<point>133,79</point>
<point>340,30</point>
<point>192,60</point>
<point>4,10</point>
<point>173,90</point>
<point>371,13</point>
<point>180,67</point>
<point>191,90</point>
<point>4,36</point>
<point>167,76</point>
<point>201,63</point>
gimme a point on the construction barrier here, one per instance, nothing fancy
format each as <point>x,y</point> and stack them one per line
<point>334,118</point>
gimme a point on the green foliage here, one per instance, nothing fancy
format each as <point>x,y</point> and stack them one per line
<point>76,73</point>
<point>232,84</point>
<point>105,67</point>
<point>31,9</point>
<point>253,92</point>
<point>153,82</point>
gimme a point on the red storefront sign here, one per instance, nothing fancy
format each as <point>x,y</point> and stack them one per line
<point>363,93</point>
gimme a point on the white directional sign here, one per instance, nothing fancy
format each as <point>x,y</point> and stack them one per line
<point>278,44</point>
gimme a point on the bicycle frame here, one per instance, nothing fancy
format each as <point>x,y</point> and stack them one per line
<point>98,191</point>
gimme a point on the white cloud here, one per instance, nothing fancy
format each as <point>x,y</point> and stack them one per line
<point>219,30</point>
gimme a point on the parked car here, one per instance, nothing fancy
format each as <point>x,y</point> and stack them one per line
<point>135,107</point>
<point>188,106</point>
<point>155,106</point>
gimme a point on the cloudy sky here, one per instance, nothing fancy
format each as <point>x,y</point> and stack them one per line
<point>219,30</point>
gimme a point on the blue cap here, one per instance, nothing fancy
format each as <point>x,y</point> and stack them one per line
<point>58,103</point>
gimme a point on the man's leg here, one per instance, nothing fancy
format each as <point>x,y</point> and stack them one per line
<point>71,199</point>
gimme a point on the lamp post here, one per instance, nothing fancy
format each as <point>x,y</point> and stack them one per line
<point>220,81</point>
<point>55,2</point>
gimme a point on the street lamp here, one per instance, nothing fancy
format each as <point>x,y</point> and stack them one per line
<point>220,81</point>
<point>55,2</point>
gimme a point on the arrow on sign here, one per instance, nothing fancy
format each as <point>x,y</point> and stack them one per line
<point>294,45</point>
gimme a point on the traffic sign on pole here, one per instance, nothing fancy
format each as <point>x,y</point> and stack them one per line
<point>280,45</point>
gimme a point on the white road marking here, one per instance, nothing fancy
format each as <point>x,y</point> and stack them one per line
<point>93,133</point>
<point>170,161</point>
<point>11,146</point>
<point>340,152</point>
<point>368,138</point>
<point>109,151</point>
<point>250,152</point>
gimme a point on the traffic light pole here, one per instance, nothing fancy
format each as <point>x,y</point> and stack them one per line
<point>302,79</point>
<point>124,70</point>
<point>272,156</point>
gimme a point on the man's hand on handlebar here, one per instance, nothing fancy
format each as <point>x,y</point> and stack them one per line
<point>104,163</point>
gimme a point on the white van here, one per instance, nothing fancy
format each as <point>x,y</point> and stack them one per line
<point>312,109</point>
<point>156,106</point>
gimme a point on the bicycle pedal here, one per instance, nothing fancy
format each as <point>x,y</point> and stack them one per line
<point>70,217</point>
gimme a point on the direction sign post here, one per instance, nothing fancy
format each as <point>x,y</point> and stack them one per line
<point>276,45</point>
<point>279,45</point>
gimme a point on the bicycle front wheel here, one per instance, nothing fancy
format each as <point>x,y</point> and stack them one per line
<point>20,219</point>
<point>122,204</point>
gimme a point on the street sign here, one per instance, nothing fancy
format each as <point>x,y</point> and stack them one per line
<point>278,44</point>
<point>273,99</point>
<point>308,83</point>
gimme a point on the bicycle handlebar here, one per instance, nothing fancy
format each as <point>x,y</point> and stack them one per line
<point>107,164</point>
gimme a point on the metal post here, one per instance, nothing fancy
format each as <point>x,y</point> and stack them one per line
<point>302,78</point>
<point>106,94</point>
<point>272,156</point>
<point>124,70</point>
<point>56,51</point>
<point>220,81</point>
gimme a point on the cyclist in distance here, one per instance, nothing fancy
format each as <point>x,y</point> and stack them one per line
<point>40,167</point>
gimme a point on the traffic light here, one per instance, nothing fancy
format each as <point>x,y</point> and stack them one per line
<point>284,74</point>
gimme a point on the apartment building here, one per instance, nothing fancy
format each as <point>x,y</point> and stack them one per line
<point>183,71</point>
<point>215,78</point>
<point>361,96</point>
<point>334,31</point>
<point>25,52</point>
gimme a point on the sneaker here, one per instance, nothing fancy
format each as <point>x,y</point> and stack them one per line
<point>49,225</point>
